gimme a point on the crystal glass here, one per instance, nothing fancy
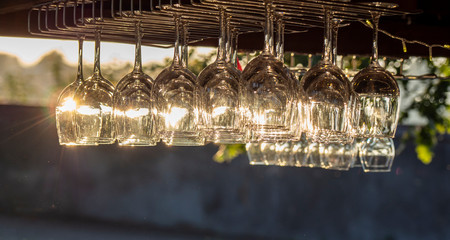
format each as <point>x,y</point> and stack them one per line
<point>328,92</point>
<point>296,121</point>
<point>312,159</point>
<point>300,150</point>
<point>134,106</point>
<point>66,105</point>
<point>284,156</point>
<point>254,154</point>
<point>357,161</point>
<point>177,94</point>
<point>268,92</point>
<point>262,153</point>
<point>378,95</point>
<point>94,101</point>
<point>354,105</point>
<point>377,154</point>
<point>337,156</point>
<point>220,93</point>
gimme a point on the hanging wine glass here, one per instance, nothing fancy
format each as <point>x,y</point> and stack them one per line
<point>357,160</point>
<point>378,94</point>
<point>220,93</point>
<point>377,154</point>
<point>66,105</point>
<point>94,106</point>
<point>284,154</point>
<point>268,91</point>
<point>354,106</point>
<point>337,156</point>
<point>312,159</point>
<point>300,150</point>
<point>328,93</point>
<point>255,156</point>
<point>134,107</point>
<point>296,122</point>
<point>178,101</point>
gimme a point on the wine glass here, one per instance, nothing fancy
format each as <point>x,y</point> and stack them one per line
<point>254,154</point>
<point>134,107</point>
<point>220,91</point>
<point>268,91</point>
<point>338,156</point>
<point>262,153</point>
<point>177,94</point>
<point>94,105</point>
<point>312,159</point>
<point>284,156</point>
<point>357,160</point>
<point>296,121</point>
<point>377,154</point>
<point>354,106</point>
<point>300,150</point>
<point>328,93</point>
<point>66,105</point>
<point>378,94</point>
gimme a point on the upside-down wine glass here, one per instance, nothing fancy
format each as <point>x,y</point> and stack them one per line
<point>268,91</point>
<point>178,99</point>
<point>66,106</point>
<point>378,94</point>
<point>377,154</point>
<point>313,153</point>
<point>134,106</point>
<point>264,153</point>
<point>354,106</point>
<point>296,121</point>
<point>328,93</point>
<point>94,114</point>
<point>340,156</point>
<point>300,150</point>
<point>337,156</point>
<point>220,93</point>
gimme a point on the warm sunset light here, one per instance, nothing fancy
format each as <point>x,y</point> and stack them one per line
<point>29,50</point>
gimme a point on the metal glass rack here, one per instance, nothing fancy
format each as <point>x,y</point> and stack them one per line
<point>67,19</point>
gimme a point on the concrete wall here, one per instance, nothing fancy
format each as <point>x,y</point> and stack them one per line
<point>181,189</point>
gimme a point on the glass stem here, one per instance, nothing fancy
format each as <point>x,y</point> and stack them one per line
<point>234,47</point>
<point>184,44</point>
<point>335,24</point>
<point>327,36</point>
<point>229,40</point>
<point>176,53</point>
<point>223,35</point>
<point>138,56</point>
<point>280,39</point>
<point>97,70</point>
<point>268,28</point>
<point>375,19</point>
<point>80,58</point>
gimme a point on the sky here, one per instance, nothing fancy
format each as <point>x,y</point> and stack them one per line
<point>30,50</point>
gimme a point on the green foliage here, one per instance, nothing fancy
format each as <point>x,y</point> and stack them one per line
<point>432,104</point>
<point>16,88</point>
<point>198,63</point>
<point>226,153</point>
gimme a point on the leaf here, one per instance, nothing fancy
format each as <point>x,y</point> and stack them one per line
<point>440,128</point>
<point>227,153</point>
<point>424,153</point>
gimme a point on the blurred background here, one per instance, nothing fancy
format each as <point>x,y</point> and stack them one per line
<point>111,192</point>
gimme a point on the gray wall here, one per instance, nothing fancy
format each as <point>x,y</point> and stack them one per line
<point>181,189</point>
